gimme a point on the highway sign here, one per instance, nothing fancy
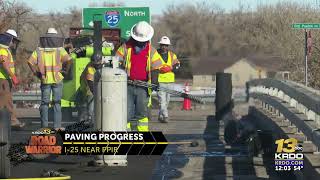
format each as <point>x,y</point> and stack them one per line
<point>306,26</point>
<point>116,17</point>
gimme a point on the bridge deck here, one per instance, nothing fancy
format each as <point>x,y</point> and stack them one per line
<point>211,159</point>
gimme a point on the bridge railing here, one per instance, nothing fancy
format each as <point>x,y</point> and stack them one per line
<point>304,99</point>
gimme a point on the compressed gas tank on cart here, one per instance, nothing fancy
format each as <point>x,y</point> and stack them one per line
<point>111,108</point>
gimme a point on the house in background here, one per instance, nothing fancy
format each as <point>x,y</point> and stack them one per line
<point>242,69</point>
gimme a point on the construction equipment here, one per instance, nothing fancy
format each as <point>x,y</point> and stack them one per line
<point>116,25</point>
<point>4,143</point>
<point>170,91</point>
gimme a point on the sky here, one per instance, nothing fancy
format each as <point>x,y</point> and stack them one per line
<point>156,6</point>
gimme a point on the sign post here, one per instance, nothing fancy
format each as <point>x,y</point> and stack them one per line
<point>306,57</point>
<point>306,26</point>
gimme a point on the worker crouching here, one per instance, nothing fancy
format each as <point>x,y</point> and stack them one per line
<point>46,62</point>
<point>141,62</point>
<point>85,97</point>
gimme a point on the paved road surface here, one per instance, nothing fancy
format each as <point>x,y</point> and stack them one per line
<point>211,159</point>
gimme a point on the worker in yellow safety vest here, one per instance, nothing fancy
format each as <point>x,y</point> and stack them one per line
<point>47,62</point>
<point>86,93</point>
<point>141,62</point>
<point>166,76</point>
<point>8,40</point>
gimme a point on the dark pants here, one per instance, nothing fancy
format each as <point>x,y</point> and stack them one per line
<point>138,99</point>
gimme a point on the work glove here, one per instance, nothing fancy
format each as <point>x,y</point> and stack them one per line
<point>15,80</point>
<point>165,69</point>
<point>38,74</point>
<point>64,73</point>
<point>176,67</point>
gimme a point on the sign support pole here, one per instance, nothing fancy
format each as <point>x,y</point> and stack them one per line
<point>306,57</point>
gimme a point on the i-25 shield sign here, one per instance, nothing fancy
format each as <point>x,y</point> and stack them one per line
<point>112,18</point>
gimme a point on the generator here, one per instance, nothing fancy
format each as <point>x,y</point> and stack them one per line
<point>81,51</point>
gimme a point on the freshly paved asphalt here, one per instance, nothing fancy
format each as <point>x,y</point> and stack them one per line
<point>210,159</point>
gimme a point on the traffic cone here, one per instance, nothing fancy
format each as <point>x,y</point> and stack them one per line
<point>186,101</point>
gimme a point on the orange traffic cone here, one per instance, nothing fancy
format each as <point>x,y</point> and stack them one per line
<point>186,101</point>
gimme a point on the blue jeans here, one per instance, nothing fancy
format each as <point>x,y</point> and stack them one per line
<point>56,102</point>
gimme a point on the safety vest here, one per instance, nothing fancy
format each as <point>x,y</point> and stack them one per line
<point>167,77</point>
<point>87,75</point>
<point>153,61</point>
<point>49,65</point>
<point>8,63</point>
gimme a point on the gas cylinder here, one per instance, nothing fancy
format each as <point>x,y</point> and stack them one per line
<point>111,107</point>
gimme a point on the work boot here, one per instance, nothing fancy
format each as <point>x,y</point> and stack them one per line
<point>17,124</point>
<point>164,119</point>
<point>160,118</point>
<point>60,129</point>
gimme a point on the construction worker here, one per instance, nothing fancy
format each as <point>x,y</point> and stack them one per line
<point>141,62</point>
<point>8,40</point>
<point>46,63</point>
<point>86,93</point>
<point>166,76</point>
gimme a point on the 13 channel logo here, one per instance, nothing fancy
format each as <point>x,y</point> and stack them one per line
<point>288,155</point>
<point>112,18</point>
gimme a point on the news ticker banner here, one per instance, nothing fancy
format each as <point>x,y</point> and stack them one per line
<point>50,142</point>
<point>288,156</point>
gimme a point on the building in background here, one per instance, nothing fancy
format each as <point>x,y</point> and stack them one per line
<point>242,69</point>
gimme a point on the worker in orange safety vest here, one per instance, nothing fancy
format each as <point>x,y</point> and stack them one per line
<point>141,62</point>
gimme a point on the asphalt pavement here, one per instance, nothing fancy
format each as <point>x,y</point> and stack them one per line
<point>205,156</point>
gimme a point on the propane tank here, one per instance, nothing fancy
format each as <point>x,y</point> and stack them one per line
<point>111,108</point>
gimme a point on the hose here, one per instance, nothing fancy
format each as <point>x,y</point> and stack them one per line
<point>173,92</point>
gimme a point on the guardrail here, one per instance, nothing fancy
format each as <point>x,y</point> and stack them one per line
<point>298,104</point>
<point>298,96</point>
<point>19,96</point>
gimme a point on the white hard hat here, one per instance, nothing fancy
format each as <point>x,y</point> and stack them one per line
<point>12,33</point>
<point>52,31</point>
<point>142,31</point>
<point>164,40</point>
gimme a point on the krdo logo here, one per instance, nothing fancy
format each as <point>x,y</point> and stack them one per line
<point>112,18</point>
<point>288,145</point>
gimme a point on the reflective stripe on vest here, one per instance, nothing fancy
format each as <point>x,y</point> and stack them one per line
<point>49,70</point>
<point>169,76</point>
<point>7,65</point>
<point>142,125</point>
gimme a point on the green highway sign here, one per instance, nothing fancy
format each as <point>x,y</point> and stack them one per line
<point>306,26</point>
<point>116,17</point>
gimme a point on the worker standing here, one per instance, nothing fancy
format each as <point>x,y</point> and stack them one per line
<point>8,40</point>
<point>166,76</point>
<point>46,62</point>
<point>141,62</point>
